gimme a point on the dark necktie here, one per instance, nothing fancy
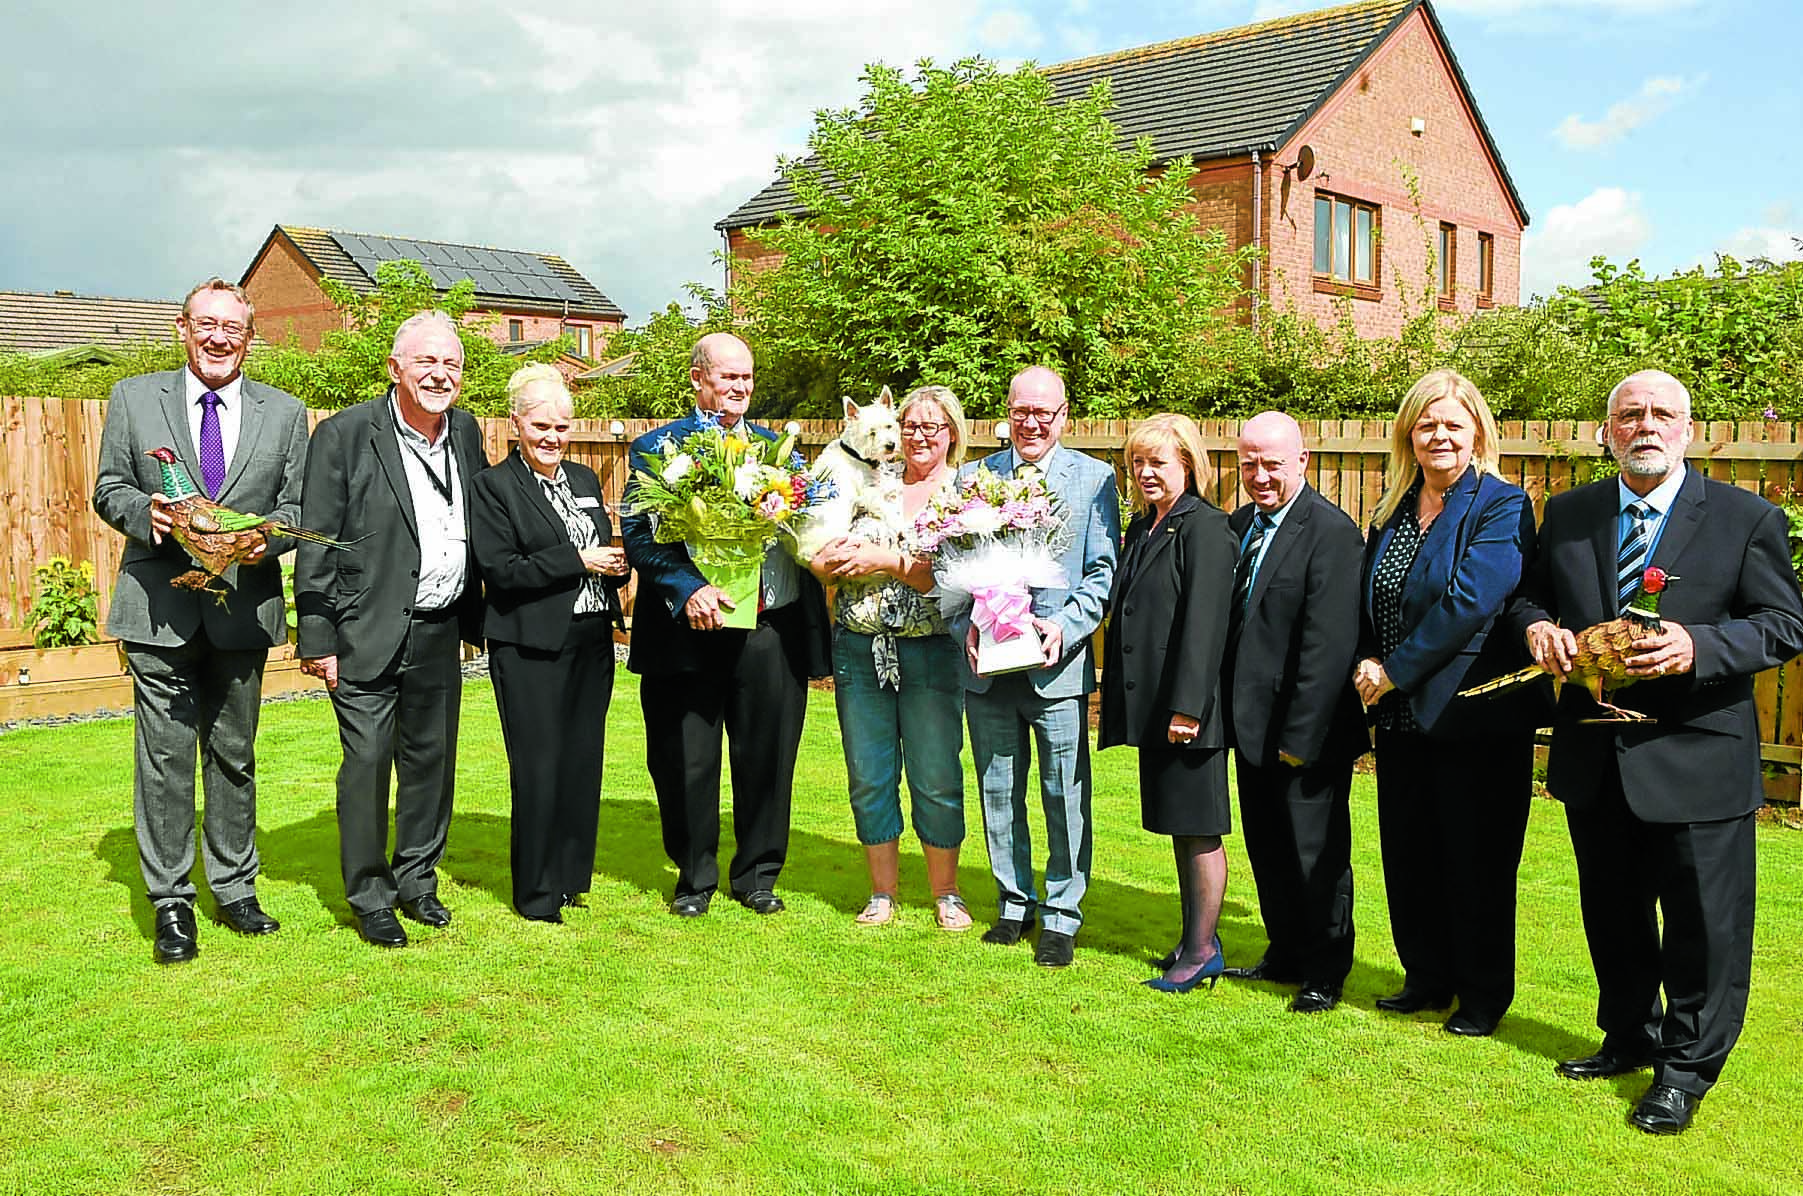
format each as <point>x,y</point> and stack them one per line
<point>212,445</point>
<point>1632,560</point>
<point>1242,573</point>
<point>1026,471</point>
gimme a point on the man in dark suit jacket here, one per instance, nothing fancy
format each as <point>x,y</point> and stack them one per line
<point>1661,812</point>
<point>381,621</point>
<point>197,663</point>
<point>701,678</point>
<point>1292,714</point>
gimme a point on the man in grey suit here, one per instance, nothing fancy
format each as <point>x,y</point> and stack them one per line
<point>1046,703</point>
<point>196,662</point>
<point>380,621</point>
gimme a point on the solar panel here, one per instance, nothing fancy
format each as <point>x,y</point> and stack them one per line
<point>503,272</point>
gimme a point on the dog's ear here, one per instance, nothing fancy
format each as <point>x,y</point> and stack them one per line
<point>851,408</point>
<point>886,399</point>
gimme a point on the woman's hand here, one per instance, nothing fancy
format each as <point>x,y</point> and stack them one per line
<point>1369,678</point>
<point>846,558</point>
<point>1183,728</point>
<point>610,561</point>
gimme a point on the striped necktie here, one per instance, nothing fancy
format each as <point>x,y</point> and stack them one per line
<point>1631,562</point>
<point>1243,572</point>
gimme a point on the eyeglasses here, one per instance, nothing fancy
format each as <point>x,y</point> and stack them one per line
<point>1657,417</point>
<point>208,326</point>
<point>1028,417</point>
<point>927,428</point>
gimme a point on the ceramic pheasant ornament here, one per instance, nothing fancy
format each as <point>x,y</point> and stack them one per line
<point>217,538</point>
<point>1600,663</point>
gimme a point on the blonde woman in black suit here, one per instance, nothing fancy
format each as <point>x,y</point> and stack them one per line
<point>1161,690</point>
<point>544,541</point>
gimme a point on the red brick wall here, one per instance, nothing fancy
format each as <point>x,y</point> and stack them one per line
<point>1364,148</point>
<point>285,290</point>
<point>535,326</point>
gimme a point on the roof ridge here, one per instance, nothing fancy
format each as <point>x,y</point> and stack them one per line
<point>100,298</point>
<point>307,228</point>
<point>1195,41</point>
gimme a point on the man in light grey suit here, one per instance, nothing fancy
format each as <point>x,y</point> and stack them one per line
<point>1046,703</point>
<point>196,662</point>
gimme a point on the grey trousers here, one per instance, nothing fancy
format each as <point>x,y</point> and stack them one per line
<point>404,721</point>
<point>196,698</point>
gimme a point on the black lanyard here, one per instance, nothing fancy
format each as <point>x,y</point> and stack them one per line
<point>442,485</point>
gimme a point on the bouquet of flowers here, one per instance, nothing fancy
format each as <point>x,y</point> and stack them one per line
<point>992,542</point>
<point>727,495</point>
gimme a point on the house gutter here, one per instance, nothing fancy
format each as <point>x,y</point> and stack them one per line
<point>1257,230</point>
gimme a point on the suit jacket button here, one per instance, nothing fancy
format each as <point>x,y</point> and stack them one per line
<point>1126,649</point>
<point>406,610</point>
<point>1127,610</point>
<point>1129,685</point>
<point>414,574</point>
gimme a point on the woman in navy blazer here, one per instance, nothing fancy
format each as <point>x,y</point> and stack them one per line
<point>1454,776</point>
<point>543,539</point>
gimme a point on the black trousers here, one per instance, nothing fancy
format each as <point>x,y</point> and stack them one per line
<point>1700,877</point>
<point>404,721</point>
<point>553,708</point>
<point>1452,815</point>
<point>1297,826</point>
<point>752,694</point>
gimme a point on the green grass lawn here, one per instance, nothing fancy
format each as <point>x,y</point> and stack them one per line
<point>631,1051</point>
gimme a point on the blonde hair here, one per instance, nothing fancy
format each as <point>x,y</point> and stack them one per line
<point>1168,430</point>
<point>954,415</point>
<point>520,384</point>
<point>1404,469</point>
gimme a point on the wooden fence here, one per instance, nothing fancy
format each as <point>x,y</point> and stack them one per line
<point>51,445</point>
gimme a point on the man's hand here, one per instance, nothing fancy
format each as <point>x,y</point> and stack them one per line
<point>161,521</point>
<point>704,608</point>
<point>323,667</point>
<point>1371,681</point>
<point>1183,728</point>
<point>1051,640</point>
<point>1669,652</point>
<point>1553,647</point>
<point>257,551</point>
<point>972,638</point>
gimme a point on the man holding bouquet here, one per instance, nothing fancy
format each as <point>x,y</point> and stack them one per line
<point>700,677</point>
<point>1047,702</point>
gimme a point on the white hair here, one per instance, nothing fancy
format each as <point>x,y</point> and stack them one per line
<point>422,319</point>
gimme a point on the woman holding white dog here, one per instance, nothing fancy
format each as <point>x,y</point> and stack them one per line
<point>895,672</point>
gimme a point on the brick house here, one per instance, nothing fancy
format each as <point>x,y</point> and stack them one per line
<point>531,297</point>
<point>1308,133</point>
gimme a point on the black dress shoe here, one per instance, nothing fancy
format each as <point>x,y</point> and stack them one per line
<point>1414,1000</point>
<point>427,910</point>
<point>1008,931</point>
<point>575,901</point>
<point>555,917</point>
<point>177,938</point>
<point>381,929</point>
<point>1262,970</point>
<point>1602,1065</point>
<point>1316,998</point>
<point>247,917</point>
<point>1664,1110</point>
<point>690,905</point>
<point>762,901</point>
<point>1055,950</point>
<point>1470,1025</point>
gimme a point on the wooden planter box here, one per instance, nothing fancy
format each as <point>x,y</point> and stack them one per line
<point>49,682</point>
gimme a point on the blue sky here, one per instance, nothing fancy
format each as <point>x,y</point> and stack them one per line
<point>147,148</point>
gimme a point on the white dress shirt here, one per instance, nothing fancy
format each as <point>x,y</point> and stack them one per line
<point>443,532</point>
<point>231,413</point>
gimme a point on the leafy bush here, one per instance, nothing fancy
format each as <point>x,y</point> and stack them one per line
<point>63,607</point>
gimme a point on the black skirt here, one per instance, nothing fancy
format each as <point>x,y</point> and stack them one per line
<point>1183,791</point>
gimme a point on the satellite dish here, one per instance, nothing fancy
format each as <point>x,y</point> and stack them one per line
<point>1305,162</point>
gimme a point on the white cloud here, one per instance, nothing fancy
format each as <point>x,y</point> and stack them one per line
<point>1655,96</point>
<point>1609,221</point>
<point>1010,29</point>
<point>1778,239</point>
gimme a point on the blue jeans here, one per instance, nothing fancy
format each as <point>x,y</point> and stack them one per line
<point>1006,723</point>
<point>919,728</point>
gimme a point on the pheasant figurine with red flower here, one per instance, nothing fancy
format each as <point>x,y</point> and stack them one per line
<point>217,538</point>
<point>1600,662</point>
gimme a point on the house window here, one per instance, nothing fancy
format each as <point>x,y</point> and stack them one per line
<point>516,332</point>
<point>584,337</point>
<point>1486,270</point>
<point>1447,265</point>
<point>1346,237</point>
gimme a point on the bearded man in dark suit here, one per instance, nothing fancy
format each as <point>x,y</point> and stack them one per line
<point>702,678</point>
<point>197,663</point>
<point>1293,715</point>
<point>1661,812</point>
<point>381,621</point>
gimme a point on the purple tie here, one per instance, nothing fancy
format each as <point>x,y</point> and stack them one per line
<point>212,445</point>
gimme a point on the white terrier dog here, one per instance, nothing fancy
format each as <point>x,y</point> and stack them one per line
<point>861,466</point>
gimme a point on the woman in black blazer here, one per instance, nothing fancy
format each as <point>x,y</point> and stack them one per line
<point>1454,775</point>
<point>543,540</point>
<point>1161,691</point>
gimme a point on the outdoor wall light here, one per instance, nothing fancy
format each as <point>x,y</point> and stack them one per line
<point>1001,431</point>
<point>792,428</point>
<point>616,429</point>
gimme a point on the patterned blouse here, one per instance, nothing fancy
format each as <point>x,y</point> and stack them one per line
<point>1387,582</point>
<point>882,606</point>
<point>591,599</point>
